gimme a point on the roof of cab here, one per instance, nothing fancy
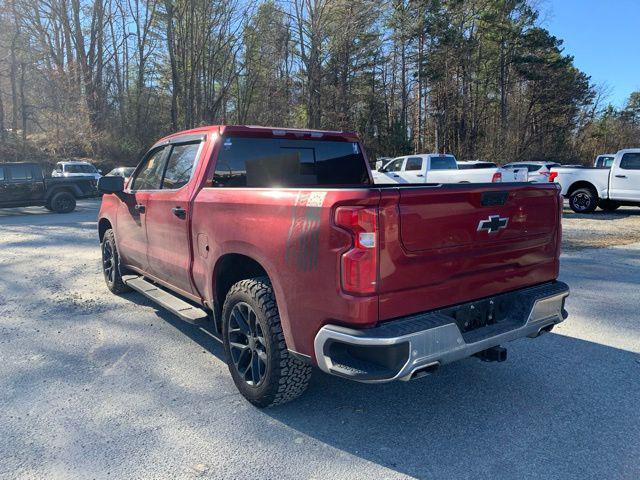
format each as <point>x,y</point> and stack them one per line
<point>261,131</point>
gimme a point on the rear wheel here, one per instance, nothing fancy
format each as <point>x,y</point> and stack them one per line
<point>609,205</point>
<point>583,200</point>
<point>261,366</point>
<point>111,264</point>
<point>63,202</point>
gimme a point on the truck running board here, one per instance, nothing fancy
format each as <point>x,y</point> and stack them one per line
<point>174,304</point>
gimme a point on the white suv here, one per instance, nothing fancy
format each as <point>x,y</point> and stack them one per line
<point>538,171</point>
<point>76,169</point>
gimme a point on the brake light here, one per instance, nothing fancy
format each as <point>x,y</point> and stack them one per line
<point>497,177</point>
<point>553,176</point>
<point>359,265</point>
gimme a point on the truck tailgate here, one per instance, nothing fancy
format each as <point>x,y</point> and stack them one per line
<point>457,243</point>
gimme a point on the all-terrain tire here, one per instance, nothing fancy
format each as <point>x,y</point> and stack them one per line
<point>284,377</point>
<point>111,264</point>
<point>609,205</point>
<point>63,202</point>
<point>583,200</point>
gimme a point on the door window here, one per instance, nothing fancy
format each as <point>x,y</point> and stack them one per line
<point>149,175</point>
<point>630,161</point>
<point>414,163</point>
<point>395,166</point>
<point>180,165</point>
<point>21,172</point>
<point>1,174</point>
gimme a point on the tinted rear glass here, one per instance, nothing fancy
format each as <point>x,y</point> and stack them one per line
<point>275,162</point>
<point>444,163</point>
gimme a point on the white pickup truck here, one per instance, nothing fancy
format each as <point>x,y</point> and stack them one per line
<point>440,168</point>
<point>589,187</point>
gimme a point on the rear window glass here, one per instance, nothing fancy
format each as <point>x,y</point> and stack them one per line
<point>630,161</point>
<point>414,163</point>
<point>443,163</point>
<point>275,162</point>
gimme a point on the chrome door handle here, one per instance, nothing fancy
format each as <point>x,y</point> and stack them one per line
<point>140,208</point>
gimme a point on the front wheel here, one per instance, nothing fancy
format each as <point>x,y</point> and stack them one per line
<point>583,200</point>
<point>262,368</point>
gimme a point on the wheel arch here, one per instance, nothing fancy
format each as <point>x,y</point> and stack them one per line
<point>582,184</point>
<point>239,264</point>
<point>103,225</point>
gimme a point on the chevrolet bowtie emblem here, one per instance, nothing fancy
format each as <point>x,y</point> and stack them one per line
<point>493,224</point>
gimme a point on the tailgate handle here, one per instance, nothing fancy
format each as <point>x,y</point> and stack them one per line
<point>491,199</point>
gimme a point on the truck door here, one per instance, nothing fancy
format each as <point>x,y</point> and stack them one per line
<point>392,172</point>
<point>168,214</point>
<point>19,184</point>
<point>413,170</point>
<point>132,211</point>
<point>625,178</point>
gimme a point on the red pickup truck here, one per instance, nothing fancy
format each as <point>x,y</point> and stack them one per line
<point>280,239</point>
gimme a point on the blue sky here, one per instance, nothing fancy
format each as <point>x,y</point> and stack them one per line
<point>604,38</point>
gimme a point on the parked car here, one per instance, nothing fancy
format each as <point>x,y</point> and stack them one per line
<point>507,175</point>
<point>590,187</point>
<point>437,168</point>
<point>23,185</point>
<point>76,169</point>
<point>124,172</point>
<point>282,241</point>
<point>538,172</point>
<point>604,161</point>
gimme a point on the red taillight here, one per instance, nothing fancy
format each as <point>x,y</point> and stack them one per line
<point>359,265</point>
<point>553,176</point>
<point>497,177</point>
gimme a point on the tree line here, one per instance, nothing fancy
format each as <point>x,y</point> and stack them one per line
<point>478,78</point>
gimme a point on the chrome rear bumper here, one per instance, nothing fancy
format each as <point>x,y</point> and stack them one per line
<point>398,349</point>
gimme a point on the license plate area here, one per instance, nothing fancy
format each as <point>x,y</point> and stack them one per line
<point>474,315</point>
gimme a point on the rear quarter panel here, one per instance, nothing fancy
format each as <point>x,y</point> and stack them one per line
<point>289,232</point>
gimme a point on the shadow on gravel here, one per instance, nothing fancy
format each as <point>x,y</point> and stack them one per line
<point>602,215</point>
<point>560,407</point>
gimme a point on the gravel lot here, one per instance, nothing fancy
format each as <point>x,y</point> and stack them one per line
<point>99,386</point>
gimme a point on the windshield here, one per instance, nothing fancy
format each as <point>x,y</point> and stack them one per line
<point>80,168</point>
<point>280,162</point>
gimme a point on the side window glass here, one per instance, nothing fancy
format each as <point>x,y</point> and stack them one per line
<point>1,174</point>
<point>396,165</point>
<point>180,165</point>
<point>630,161</point>
<point>150,174</point>
<point>414,163</point>
<point>21,172</point>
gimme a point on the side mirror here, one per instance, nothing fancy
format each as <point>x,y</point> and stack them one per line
<point>100,171</point>
<point>113,184</point>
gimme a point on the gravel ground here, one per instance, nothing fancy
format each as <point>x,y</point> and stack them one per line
<point>99,386</point>
<point>600,229</point>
